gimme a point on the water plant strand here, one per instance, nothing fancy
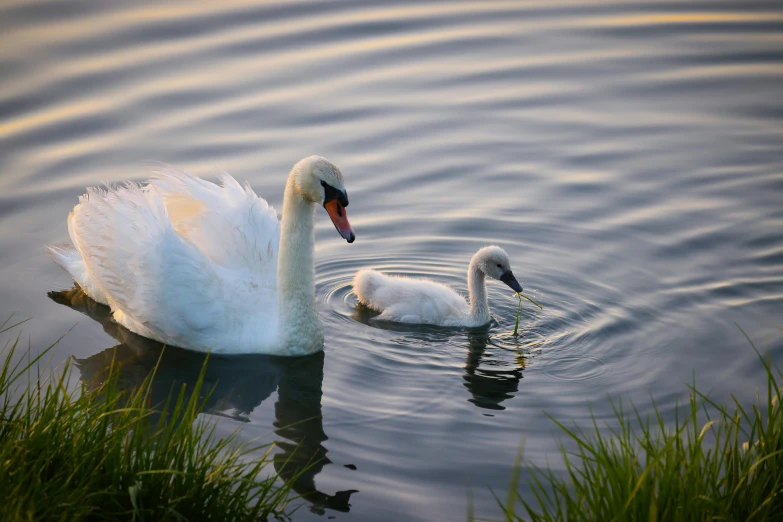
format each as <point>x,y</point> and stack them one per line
<point>531,300</point>
<point>520,295</point>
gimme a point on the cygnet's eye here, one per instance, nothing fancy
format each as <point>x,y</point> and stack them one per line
<point>499,266</point>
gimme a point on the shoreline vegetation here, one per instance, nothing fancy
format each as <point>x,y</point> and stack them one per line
<point>109,454</point>
<point>718,462</point>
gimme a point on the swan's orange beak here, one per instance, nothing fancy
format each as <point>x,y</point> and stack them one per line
<point>340,219</point>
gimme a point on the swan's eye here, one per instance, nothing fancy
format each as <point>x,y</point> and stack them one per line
<point>499,266</point>
<point>331,193</point>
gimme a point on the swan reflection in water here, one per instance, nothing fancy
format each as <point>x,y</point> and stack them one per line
<point>238,385</point>
<point>490,380</point>
<point>492,383</point>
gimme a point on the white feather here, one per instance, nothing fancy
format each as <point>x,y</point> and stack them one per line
<point>193,264</point>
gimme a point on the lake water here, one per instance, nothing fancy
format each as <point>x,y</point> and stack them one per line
<point>628,157</point>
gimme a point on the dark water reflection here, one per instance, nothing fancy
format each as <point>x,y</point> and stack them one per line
<point>491,386</point>
<point>237,386</point>
<point>489,379</point>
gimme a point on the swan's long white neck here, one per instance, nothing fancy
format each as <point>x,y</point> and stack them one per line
<point>477,291</point>
<point>300,329</point>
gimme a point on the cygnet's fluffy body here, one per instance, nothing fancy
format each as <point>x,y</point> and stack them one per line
<point>422,301</point>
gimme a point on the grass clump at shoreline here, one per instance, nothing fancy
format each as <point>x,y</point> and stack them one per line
<point>111,455</point>
<point>729,467</point>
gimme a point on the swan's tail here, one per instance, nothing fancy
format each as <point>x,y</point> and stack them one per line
<point>68,257</point>
<point>365,284</point>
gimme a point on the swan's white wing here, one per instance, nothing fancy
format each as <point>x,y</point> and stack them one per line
<point>229,223</point>
<point>157,282</point>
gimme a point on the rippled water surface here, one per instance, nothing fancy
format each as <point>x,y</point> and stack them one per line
<point>628,156</point>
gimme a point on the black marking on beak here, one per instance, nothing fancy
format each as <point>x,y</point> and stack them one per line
<point>511,281</point>
<point>331,193</point>
<point>334,202</point>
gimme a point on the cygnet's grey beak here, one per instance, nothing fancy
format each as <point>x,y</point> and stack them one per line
<point>510,280</point>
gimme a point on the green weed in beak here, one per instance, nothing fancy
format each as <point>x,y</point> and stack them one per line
<point>520,295</point>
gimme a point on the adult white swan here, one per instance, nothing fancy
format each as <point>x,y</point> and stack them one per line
<point>209,268</point>
<point>422,301</point>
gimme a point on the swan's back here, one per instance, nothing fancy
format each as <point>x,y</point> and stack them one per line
<point>180,260</point>
<point>408,300</point>
<point>229,223</point>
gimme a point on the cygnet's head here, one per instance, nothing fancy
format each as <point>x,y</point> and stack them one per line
<point>318,180</point>
<point>493,261</point>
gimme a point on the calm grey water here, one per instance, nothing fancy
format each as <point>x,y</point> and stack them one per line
<point>628,156</point>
